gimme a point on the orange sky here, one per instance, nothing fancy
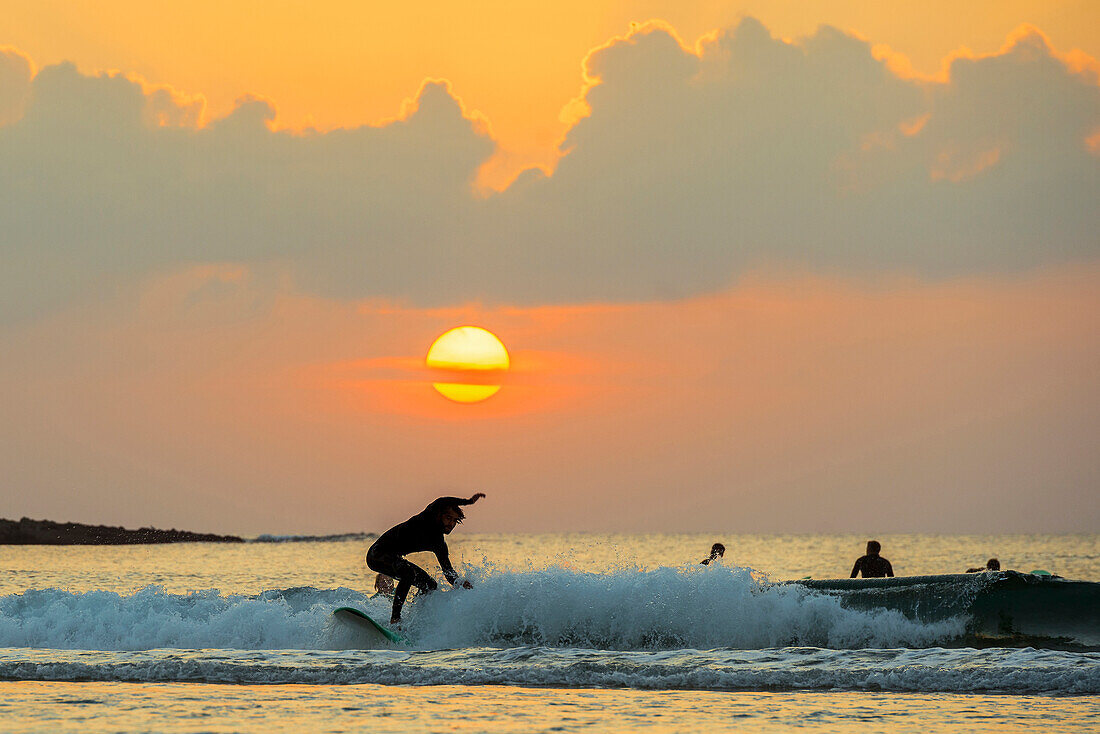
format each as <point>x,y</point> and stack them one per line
<point>778,405</point>
<point>347,62</point>
<point>765,284</point>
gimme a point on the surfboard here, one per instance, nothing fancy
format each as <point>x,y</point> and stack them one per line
<point>362,621</point>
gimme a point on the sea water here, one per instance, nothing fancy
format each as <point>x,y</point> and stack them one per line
<point>560,632</point>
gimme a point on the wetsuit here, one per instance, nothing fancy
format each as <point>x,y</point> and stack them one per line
<point>421,532</point>
<point>873,567</point>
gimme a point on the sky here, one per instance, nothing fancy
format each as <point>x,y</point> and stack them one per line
<point>760,267</point>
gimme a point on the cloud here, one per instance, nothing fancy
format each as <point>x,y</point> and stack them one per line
<point>93,189</point>
<point>16,71</point>
<point>695,164</point>
<point>691,167</point>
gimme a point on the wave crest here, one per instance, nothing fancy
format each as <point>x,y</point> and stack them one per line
<point>663,609</point>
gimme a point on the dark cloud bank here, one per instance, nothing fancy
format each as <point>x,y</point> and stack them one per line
<point>689,169</point>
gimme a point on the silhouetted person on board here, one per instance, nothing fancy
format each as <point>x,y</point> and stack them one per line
<point>991,565</point>
<point>421,532</point>
<point>716,551</point>
<point>872,565</point>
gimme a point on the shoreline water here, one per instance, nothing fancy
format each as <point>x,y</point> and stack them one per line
<point>186,707</point>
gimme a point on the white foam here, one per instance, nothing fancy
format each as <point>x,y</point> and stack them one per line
<point>692,607</point>
<point>152,618</point>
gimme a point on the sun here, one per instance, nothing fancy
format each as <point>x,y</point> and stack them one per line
<point>475,356</point>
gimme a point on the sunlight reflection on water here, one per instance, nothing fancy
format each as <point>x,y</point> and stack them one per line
<point>254,567</point>
<point>183,707</point>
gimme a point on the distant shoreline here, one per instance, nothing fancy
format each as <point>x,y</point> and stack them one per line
<point>46,532</point>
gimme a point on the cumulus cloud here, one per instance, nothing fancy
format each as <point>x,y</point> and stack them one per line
<point>691,165</point>
<point>694,164</point>
<point>92,189</point>
<point>16,71</point>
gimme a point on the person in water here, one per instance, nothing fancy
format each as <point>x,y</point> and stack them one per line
<point>383,586</point>
<point>421,532</point>
<point>991,565</point>
<point>716,551</point>
<point>872,565</point>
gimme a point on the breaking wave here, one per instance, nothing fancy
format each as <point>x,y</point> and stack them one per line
<point>663,609</point>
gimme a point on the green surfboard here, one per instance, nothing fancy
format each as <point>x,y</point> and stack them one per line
<point>362,621</point>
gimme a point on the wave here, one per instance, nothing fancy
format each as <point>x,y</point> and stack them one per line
<point>1016,671</point>
<point>659,610</point>
<point>663,609</point>
<point>1000,607</point>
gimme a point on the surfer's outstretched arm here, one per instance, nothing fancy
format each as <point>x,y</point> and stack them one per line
<point>444,557</point>
<point>454,501</point>
<point>449,572</point>
<point>855,568</point>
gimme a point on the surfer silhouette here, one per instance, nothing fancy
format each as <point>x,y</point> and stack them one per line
<point>716,551</point>
<point>421,532</point>
<point>872,565</point>
<point>991,565</point>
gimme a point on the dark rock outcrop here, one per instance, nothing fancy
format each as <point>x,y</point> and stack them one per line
<point>45,532</point>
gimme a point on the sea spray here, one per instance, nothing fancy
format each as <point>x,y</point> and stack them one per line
<point>628,609</point>
<point>152,618</point>
<point>666,608</point>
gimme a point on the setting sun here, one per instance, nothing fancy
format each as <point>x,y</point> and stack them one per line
<point>472,354</point>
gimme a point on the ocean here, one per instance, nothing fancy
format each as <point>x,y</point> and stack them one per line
<point>561,632</point>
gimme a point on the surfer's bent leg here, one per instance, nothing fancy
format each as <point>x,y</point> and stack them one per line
<point>407,575</point>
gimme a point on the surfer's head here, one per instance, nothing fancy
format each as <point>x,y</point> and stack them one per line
<point>450,516</point>
<point>873,547</point>
<point>717,551</point>
<point>383,584</point>
<point>993,564</point>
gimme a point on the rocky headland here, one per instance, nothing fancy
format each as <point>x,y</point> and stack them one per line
<point>46,532</point>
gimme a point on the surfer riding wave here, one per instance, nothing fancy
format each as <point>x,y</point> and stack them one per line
<point>424,531</point>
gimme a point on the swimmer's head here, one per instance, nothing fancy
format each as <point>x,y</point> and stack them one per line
<point>873,547</point>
